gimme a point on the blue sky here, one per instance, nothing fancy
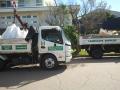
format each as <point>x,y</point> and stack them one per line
<point>115,4</point>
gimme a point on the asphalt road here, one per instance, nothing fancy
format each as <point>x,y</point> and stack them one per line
<point>80,74</point>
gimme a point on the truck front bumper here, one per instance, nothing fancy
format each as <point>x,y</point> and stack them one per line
<point>68,58</point>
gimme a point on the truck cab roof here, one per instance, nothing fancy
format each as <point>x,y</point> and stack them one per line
<point>49,27</point>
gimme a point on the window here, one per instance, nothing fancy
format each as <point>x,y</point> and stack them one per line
<point>23,16</point>
<point>3,23</point>
<point>20,2</point>
<point>34,21</point>
<point>2,4</point>
<point>2,17</point>
<point>12,16</point>
<point>52,35</point>
<point>8,17</point>
<point>5,3</point>
<point>38,2</point>
<point>8,4</point>
<point>28,16</point>
<point>34,16</point>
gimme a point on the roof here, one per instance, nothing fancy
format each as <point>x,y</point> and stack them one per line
<point>50,27</point>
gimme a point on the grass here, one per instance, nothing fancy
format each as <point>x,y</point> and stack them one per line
<point>83,52</point>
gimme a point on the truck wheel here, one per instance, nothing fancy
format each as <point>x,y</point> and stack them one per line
<point>96,53</point>
<point>49,62</point>
<point>1,65</point>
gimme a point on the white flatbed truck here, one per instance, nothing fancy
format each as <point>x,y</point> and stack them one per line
<point>97,45</point>
<point>53,49</point>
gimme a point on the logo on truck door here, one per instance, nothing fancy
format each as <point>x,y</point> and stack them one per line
<point>55,48</point>
<point>21,47</point>
<point>6,47</point>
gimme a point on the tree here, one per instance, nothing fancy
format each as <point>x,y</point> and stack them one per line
<point>57,15</point>
<point>70,32</point>
<point>73,11</point>
<point>92,14</point>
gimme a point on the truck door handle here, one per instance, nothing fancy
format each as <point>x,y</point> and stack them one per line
<point>54,44</point>
<point>42,46</point>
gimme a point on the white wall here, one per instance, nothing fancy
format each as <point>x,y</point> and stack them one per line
<point>48,2</point>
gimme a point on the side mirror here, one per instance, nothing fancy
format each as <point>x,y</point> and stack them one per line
<point>59,41</point>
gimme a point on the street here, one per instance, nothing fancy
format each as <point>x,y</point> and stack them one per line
<point>80,74</point>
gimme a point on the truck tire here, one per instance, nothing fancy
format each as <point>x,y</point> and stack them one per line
<point>1,65</point>
<point>96,53</point>
<point>89,53</point>
<point>49,62</point>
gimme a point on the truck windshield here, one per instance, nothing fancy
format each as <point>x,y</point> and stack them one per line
<point>52,35</point>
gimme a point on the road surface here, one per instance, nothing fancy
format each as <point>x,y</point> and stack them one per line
<point>80,74</point>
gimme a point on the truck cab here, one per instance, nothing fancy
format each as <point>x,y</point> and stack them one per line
<point>52,42</point>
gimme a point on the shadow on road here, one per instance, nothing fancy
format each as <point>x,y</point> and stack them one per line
<point>83,61</point>
<point>106,59</point>
<point>18,77</point>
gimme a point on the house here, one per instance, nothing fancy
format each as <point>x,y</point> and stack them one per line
<point>30,11</point>
<point>34,12</point>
